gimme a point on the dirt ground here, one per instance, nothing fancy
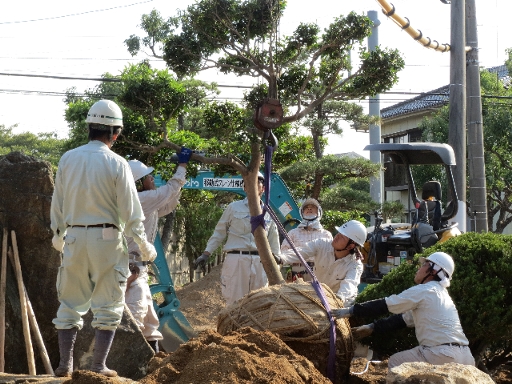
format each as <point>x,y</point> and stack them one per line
<point>242,357</point>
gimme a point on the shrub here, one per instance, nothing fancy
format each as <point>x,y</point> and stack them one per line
<point>332,219</point>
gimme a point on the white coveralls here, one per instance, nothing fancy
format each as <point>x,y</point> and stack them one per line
<point>341,275</point>
<point>242,270</point>
<point>155,203</point>
<point>308,230</point>
<point>94,186</point>
<point>430,310</point>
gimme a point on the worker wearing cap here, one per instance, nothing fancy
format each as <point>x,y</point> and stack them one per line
<point>93,203</point>
<point>337,262</point>
<point>242,270</point>
<point>428,308</point>
<point>309,229</point>
<point>155,202</point>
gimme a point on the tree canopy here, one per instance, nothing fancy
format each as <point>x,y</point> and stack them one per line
<point>44,146</point>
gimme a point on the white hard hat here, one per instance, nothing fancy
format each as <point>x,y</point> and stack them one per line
<point>311,201</point>
<point>139,169</point>
<point>105,112</point>
<point>261,176</point>
<point>354,230</point>
<point>443,260</point>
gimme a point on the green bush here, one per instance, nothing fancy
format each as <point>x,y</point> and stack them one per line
<point>332,219</point>
<point>480,288</point>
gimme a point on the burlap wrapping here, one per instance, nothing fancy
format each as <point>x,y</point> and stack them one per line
<point>294,312</point>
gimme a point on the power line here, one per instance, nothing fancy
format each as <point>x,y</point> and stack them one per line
<point>73,14</point>
<point>107,80</point>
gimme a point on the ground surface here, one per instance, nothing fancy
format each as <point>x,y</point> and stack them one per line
<point>246,357</point>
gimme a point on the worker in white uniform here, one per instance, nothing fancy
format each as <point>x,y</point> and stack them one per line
<point>337,262</point>
<point>428,308</point>
<point>93,203</point>
<point>242,271</point>
<point>309,229</point>
<point>155,202</point>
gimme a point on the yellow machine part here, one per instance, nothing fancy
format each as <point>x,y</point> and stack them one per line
<point>449,234</point>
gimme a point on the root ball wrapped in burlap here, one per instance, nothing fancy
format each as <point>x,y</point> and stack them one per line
<point>295,313</point>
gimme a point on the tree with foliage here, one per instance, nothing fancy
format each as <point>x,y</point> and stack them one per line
<point>309,72</point>
<point>44,146</point>
<point>334,169</point>
<point>480,290</point>
<point>305,70</point>
<point>497,120</point>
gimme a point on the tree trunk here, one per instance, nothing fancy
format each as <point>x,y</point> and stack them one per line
<point>167,229</point>
<point>317,186</point>
<point>260,235</point>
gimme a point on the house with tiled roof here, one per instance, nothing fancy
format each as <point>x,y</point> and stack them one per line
<point>399,124</point>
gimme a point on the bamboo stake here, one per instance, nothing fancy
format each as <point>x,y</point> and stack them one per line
<point>35,330</point>
<point>24,311</point>
<point>3,279</point>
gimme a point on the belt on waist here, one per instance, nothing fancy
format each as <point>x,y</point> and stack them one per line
<point>243,252</point>
<point>454,344</point>
<point>93,226</point>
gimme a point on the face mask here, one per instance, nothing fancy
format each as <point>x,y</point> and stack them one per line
<point>310,216</point>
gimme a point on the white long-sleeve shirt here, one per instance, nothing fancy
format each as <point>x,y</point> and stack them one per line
<point>301,236</point>
<point>430,310</point>
<point>94,185</point>
<point>341,275</point>
<point>234,226</point>
<point>157,203</point>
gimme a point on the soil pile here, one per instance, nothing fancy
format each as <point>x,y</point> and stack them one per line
<point>245,356</point>
<point>202,300</point>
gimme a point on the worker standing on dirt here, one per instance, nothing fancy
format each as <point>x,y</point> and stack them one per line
<point>242,271</point>
<point>428,308</point>
<point>338,262</point>
<point>155,203</point>
<point>309,229</point>
<point>93,202</point>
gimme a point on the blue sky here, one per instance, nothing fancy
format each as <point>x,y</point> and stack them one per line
<point>85,39</point>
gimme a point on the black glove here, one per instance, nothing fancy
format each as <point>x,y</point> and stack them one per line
<point>201,261</point>
<point>277,259</point>
<point>184,155</point>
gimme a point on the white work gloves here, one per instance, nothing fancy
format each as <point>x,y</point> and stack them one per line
<point>341,313</point>
<point>58,243</point>
<point>147,250</point>
<point>363,331</point>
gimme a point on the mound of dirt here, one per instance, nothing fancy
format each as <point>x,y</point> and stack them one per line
<point>245,356</point>
<point>202,300</point>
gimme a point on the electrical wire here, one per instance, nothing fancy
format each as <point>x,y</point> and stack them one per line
<point>73,14</point>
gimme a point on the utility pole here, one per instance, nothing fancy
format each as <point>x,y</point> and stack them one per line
<point>457,130</point>
<point>477,182</point>
<point>375,131</point>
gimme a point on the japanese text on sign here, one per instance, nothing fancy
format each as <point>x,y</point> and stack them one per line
<point>222,183</point>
